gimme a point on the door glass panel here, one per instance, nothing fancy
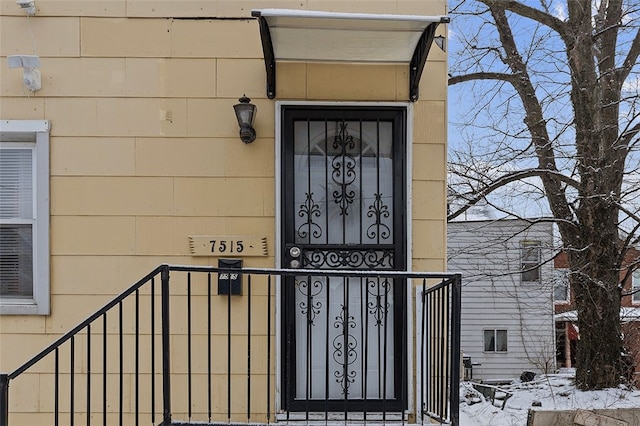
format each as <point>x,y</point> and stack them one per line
<point>343,182</point>
<point>346,331</point>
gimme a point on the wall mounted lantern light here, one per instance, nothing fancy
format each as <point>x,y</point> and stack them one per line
<point>246,113</point>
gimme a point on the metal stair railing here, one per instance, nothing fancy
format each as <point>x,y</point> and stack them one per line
<point>84,329</point>
<point>121,371</point>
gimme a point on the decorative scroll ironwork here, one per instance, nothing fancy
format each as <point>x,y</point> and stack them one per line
<point>340,212</point>
<point>308,210</point>
<point>378,307</point>
<point>345,350</point>
<point>309,287</point>
<point>344,169</point>
<point>354,258</point>
<point>378,210</point>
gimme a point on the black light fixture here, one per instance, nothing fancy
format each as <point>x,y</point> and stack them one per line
<point>246,113</point>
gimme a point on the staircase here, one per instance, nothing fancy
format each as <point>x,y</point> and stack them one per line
<point>170,350</point>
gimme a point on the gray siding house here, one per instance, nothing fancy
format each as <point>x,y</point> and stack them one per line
<point>507,307</point>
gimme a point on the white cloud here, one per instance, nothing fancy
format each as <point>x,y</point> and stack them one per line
<point>451,34</point>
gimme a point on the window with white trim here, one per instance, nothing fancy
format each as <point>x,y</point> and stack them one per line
<point>561,285</point>
<point>531,254</point>
<point>635,287</point>
<point>495,340</point>
<point>24,217</point>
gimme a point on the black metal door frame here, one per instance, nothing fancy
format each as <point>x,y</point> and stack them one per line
<point>398,116</point>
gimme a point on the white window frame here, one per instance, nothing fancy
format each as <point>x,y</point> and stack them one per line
<point>527,266</point>
<point>561,276</point>
<point>635,286</point>
<point>495,340</point>
<point>34,134</point>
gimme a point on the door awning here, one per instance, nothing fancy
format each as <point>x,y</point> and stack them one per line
<point>312,36</point>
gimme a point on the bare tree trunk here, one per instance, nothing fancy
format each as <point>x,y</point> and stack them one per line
<point>597,298</point>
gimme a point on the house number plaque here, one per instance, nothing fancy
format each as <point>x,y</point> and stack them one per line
<point>227,246</point>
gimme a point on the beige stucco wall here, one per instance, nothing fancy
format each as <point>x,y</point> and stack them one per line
<point>144,146</point>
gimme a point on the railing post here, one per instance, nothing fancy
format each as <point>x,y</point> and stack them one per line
<point>456,310</point>
<point>166,349</point>
<point>4,400</point>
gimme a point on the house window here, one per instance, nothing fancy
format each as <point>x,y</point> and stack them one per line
<point>560,285</point>
<point>530,256</point>
<point>24,217</point>
<point>635,286</point>
<point>495,340</point>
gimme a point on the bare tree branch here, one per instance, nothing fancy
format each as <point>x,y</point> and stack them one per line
<point>534,116</point>
<point>529,12</point>
<point>480,194</point>
<point>482,76</point>
<point>632,58</point>
<point>628,134</point>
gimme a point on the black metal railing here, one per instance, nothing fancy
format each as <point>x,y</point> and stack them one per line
<point>171,350</point>
<point>439,350</point>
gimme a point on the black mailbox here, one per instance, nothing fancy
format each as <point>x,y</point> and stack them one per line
<point>229,281</point>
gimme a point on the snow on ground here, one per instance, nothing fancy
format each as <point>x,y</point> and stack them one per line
<point>554,392</point>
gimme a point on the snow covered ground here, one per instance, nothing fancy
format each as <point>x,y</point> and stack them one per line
<point>554,392</point>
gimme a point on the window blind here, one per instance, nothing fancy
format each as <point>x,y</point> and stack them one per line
<point>16,222</point>
<point>16,183</point>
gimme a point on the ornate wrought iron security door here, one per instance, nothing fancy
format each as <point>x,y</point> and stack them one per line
<point>344,189</point>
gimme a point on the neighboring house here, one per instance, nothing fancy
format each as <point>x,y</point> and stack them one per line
<point>128,157</point>
<point>567,329</point>
<point>507,311</point>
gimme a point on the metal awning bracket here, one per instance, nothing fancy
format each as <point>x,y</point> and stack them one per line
<point>419,59</point>
<point>269,56</point>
